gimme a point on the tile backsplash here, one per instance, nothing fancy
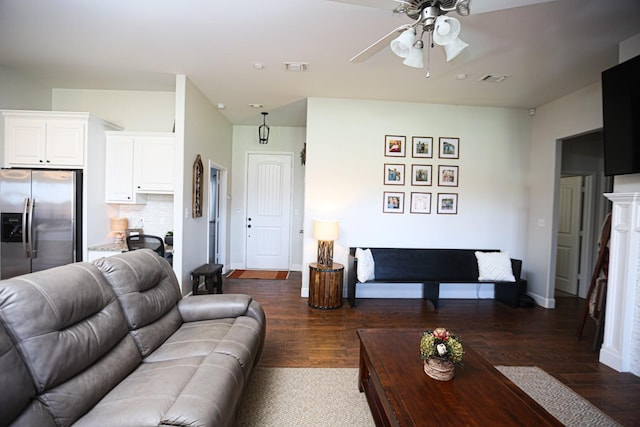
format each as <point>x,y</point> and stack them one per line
<point>155,217</point>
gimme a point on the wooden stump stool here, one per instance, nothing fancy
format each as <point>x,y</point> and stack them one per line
<point>325,285</point>
<point>208,272</point>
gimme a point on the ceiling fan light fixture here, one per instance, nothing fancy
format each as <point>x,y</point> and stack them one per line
<point>455,48</point>
<point>403,44</point>
<point>415,58</point>
<point>446,30</point>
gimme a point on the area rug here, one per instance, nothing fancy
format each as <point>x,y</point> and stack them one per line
<point>559,400</point>
<point>323,397</point>
<point>259,274</point>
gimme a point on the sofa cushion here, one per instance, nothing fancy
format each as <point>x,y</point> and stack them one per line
<point>494,266</point>
<point>414,265</point>
<point>15,378</point>
<point>201,391</point>
<point>366,265</point>
<point>71,334</point>
<point>148,292</point>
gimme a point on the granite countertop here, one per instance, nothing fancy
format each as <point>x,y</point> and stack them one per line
<point>120,247</point>
<point>110,247</point>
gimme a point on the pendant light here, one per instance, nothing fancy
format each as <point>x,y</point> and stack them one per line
<point>263,130</point>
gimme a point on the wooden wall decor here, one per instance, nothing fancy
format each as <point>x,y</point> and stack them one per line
<point>198,176</point>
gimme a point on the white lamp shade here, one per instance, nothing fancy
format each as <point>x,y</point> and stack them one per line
<point>454,48</point>
<point>403,44</point>
<point>119,225</point>
<point>326,229</point>
<point>415,58</point>
<point>446,30</point>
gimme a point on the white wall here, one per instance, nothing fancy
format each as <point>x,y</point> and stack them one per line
<point>155,217</point>
<point>131,110</point>
<point>201,129</point>
<point>20,93</point>
<point>572,115</point>
<point>281,140</point>
<point>344,177</point>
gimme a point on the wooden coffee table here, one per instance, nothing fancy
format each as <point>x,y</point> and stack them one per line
<point>401,394</point>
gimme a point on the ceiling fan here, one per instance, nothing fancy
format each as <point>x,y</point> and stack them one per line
<point>430,20</point>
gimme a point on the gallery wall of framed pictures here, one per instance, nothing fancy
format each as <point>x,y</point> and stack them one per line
<point>421,157</point>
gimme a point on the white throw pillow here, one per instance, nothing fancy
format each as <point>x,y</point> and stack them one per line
<point>366,265</point>
<point>495,266</point>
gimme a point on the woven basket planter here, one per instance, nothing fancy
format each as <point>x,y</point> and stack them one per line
<point>439,369</point>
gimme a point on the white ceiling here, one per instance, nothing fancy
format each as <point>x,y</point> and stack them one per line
<point>549,50</point>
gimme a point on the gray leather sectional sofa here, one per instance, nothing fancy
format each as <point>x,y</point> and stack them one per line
<point>113,343</point>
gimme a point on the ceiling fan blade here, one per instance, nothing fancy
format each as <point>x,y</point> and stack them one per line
<point>493,5</point>
<point>378,45</point>
<point>379,4</point>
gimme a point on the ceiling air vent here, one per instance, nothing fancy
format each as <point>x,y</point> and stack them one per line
<point>494,78</point>
<point>296,66</point>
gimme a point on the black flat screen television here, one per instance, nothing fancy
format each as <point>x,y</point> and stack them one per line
<point>621,118</point>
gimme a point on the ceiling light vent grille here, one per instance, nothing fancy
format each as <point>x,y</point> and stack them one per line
<point>296,66</point>
<point>494,78</point>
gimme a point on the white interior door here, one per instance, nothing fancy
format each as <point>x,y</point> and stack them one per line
<point>268,222</point>
<point>568,249</point>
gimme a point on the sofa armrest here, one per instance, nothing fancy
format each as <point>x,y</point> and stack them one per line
<point>516,267</point>
<point>352,278</point>
<point>218,306</point>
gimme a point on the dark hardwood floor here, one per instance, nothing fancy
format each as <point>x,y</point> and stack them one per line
<point>300,336</point>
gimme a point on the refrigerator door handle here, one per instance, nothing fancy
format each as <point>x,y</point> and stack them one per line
<point>32,253</point>
<point>24,227</point>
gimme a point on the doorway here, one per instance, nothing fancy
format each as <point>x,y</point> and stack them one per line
<point>217,215</point>
<point>581,210</point>
<point>268,221</point>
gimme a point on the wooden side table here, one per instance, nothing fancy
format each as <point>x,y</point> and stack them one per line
<point>325,285</point>
<point>208,272</point>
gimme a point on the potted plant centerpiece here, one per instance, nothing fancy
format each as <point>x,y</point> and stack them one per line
<point>440,351</point>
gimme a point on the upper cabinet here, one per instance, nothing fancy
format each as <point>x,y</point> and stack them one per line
<point>44,139</point>
<point>139,163</point>
<point>154,163</point>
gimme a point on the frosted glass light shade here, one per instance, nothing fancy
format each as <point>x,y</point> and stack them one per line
<point>403,44</point>
<point>454,48</point>
<point>415,58</point>
<point>446,30</point>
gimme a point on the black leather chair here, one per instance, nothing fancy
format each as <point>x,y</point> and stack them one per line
<point>141,241</point>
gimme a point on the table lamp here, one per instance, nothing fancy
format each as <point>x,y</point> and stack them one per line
<point>325,232</point>
<point>119,229</point>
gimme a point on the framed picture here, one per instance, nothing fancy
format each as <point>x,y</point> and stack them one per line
<point>421,174</point>
<point>449,148</point>
<point>420,203</point>
<point>393,174</point>
<point>448,203</point>
<point>394,145</point>
<point>422,146</point>
<point>393,202</point>
<point>447,176</point>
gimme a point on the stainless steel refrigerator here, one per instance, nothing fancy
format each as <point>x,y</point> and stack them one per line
<point>40,217</point>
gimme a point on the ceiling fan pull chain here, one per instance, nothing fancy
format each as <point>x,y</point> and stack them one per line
<point>429,47</point>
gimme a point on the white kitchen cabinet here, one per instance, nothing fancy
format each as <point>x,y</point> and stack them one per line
<point>138,163</point>
<point>155,158</point>
<point>119,186</point>
<point>44,139</point>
